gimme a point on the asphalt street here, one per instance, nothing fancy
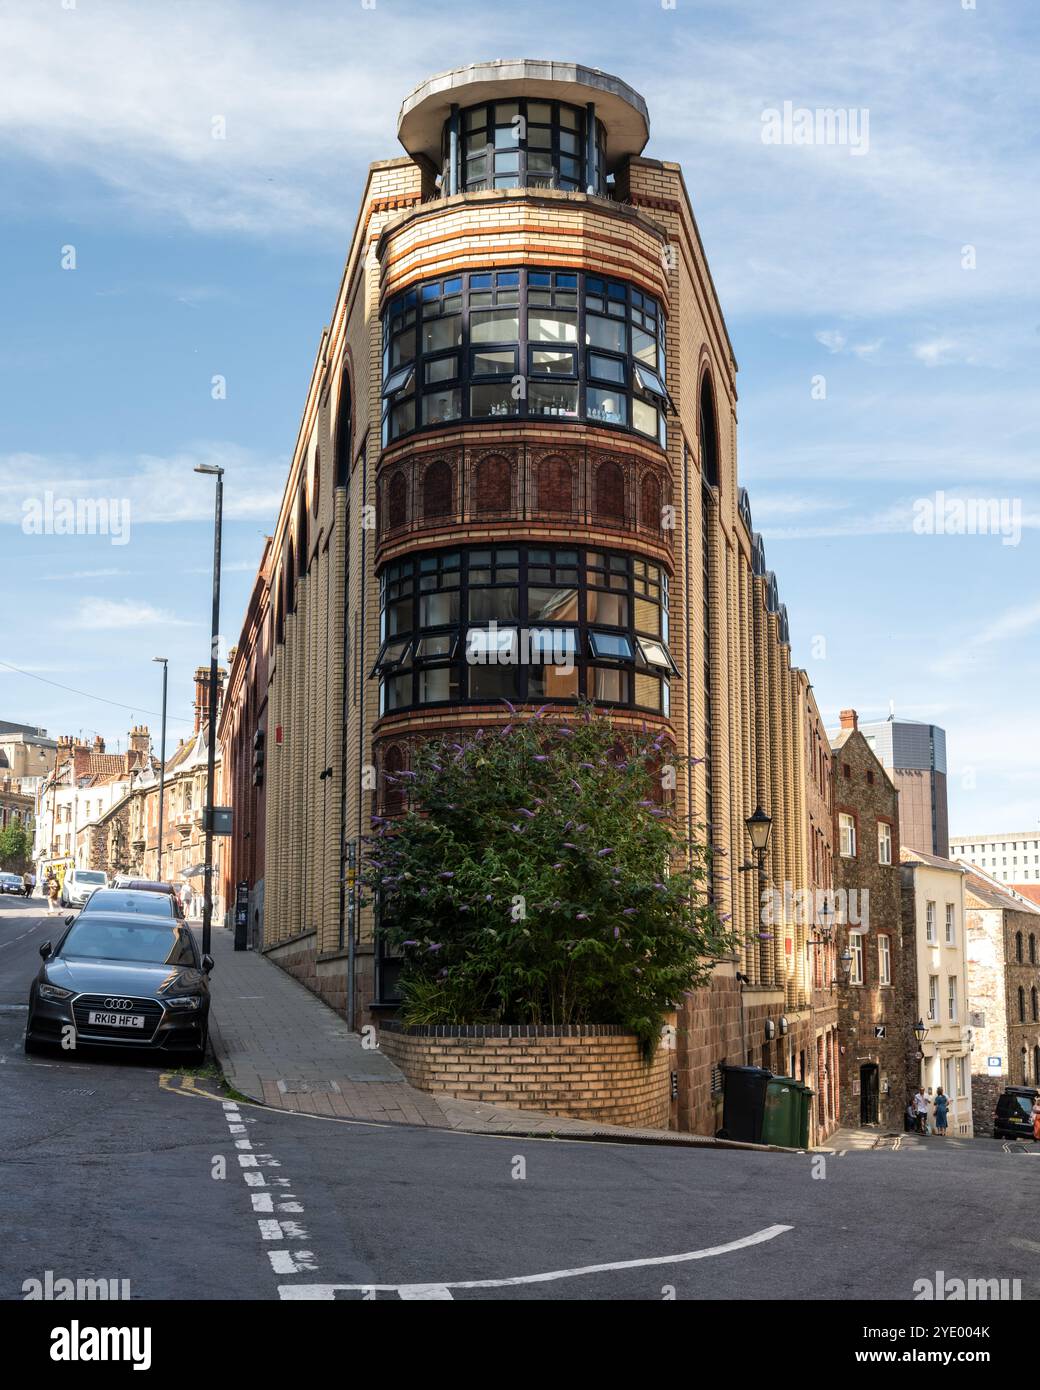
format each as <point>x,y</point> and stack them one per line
<point>111,1169</point>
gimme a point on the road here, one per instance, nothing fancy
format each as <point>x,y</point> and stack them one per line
<point>108,1170</point>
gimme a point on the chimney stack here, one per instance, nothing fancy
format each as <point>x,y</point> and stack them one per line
<point>140,740</point>
<point>849,719</point>
<point>99,744</point>
<point>202,694</point>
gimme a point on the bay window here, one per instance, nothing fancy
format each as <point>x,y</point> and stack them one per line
<point>528,343</point>
<point>524,623</point>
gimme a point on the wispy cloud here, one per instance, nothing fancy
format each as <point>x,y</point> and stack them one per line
<point>99,614</point>
<point>971,649</point>
<point>157,488</point>
<point>70,575</point>
<point>940,352</point>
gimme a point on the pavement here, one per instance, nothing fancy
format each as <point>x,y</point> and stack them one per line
<point>280,1045</point>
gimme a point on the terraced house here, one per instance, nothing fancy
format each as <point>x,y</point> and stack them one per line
<point>522,420</point>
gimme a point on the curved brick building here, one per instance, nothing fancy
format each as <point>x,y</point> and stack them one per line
<point>516,478</point>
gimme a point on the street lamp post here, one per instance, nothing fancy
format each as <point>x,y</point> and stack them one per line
<point>759,824</point>
<point>920,1033</point>
<point>207,912</point>
<point>162,765</point>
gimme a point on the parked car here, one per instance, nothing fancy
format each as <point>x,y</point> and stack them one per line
<point>1013,1117</point>
<point>122,980</point>
<point>78,885</point>
<point>135,900</point>
<point>147,885</point>
<point>12,883</point>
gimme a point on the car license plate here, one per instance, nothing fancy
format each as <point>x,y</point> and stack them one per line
<point>116,1020</point>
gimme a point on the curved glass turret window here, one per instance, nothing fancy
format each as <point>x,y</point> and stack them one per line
<point>523,144</point>
<point>527,343</point>
<point>524,623</point>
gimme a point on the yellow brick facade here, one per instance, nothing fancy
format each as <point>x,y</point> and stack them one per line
<point>327,553</point>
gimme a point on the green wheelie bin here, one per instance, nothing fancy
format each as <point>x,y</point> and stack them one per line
<point>786,1118</point>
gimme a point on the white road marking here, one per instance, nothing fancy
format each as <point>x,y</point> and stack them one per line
<point>291,1261</point>
<point>262,1201</point>
<point>328,1291</point>
<point>439,1292</point>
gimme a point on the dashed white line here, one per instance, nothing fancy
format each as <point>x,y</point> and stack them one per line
<point>291,1262</point>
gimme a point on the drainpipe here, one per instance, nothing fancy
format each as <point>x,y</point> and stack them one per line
<point>591,172</point>
<point>453,151</point>
<point>352,908</point>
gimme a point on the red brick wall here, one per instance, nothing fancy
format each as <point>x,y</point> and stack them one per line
<point>588,1076</point>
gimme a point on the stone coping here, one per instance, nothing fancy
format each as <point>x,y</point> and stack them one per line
<point>507,1030</point>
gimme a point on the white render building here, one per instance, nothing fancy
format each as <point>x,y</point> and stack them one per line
<point>1009,856</point>
<point>933,903</point>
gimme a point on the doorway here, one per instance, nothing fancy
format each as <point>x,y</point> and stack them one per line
<point>868,1094</point>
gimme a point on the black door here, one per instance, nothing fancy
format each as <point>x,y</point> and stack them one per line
<point>868,1094</point>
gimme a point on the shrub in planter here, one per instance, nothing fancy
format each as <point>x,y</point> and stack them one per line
<point>538,878</point>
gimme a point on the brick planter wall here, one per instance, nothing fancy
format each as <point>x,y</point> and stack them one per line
<point>595,1072</point>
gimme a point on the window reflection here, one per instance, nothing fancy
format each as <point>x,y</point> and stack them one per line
<point>514,343</point>
<point>524,623</point>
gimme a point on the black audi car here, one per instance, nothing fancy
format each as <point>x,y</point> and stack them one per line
<point>1013,1117</point>
<point>122,980</point>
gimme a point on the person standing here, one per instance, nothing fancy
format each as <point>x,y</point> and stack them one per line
<point>52,893</point>
<point>28,883</point>
<point>942,1105</point>
<point>1036,1119</point>
<point>921,1110</point>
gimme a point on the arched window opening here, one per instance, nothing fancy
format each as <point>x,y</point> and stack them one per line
<point>290,580</point>
<point>344,429</point>
<point>708,429</point>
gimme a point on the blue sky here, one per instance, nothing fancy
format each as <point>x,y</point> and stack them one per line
<point>197,257</point>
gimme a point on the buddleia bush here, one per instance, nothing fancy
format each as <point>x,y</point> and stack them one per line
<point>538,877</point>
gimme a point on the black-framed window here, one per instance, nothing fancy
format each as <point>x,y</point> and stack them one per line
<point>529,343</point>
<point>524,143</point>
<point>524,623</point>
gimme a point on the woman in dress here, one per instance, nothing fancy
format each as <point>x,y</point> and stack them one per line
<point>942,1105</point>
<point>1036,1118</point>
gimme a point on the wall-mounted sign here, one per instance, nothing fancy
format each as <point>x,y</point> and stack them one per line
<point>995,1065</point>
<point>880,1031</point>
